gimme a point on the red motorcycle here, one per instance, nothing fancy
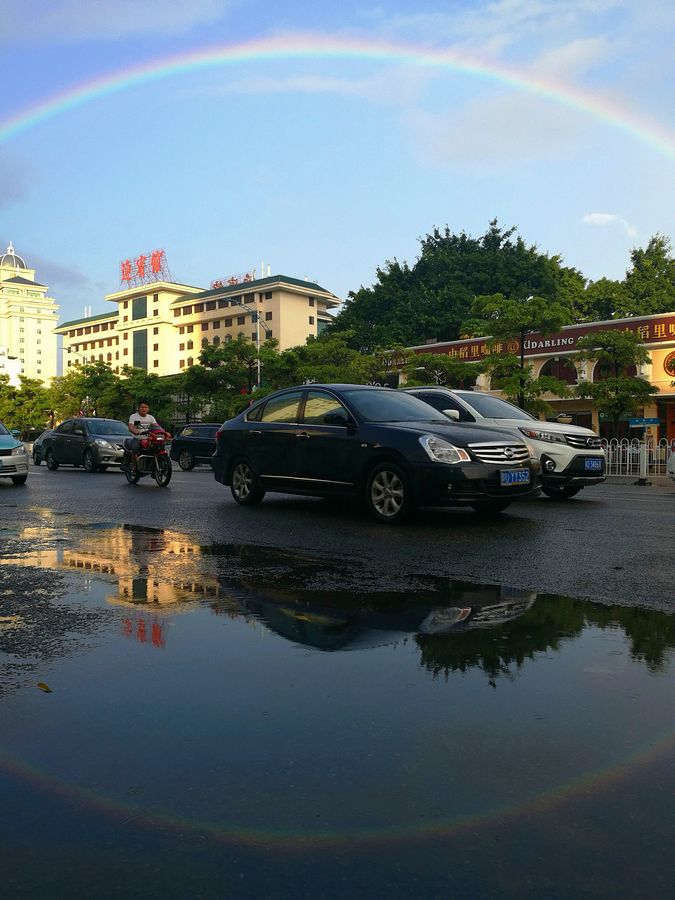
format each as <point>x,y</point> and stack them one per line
<point>151,459</point>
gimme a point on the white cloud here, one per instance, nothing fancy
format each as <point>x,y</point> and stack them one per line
<point>74,20</point>
<point>603,220</point>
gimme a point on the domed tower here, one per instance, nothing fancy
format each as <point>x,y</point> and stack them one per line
<point>27,318</point>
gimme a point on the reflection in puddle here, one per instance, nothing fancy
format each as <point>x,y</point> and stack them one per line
<point>219,720</point>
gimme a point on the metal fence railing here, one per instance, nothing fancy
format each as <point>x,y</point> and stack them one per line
<point>623,456</point>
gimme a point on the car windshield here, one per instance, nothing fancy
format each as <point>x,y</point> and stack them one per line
<point>108,427</point>
<point>492,407</point>
<point>390,406</point>
<point>3,430</point>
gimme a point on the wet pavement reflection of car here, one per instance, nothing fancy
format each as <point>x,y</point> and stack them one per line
<point>387,449</point>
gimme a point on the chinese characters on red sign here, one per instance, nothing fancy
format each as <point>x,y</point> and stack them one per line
<point>144,269</point>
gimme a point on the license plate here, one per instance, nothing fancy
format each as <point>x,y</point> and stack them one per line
<point>593,465</point>
<point>514,476</point>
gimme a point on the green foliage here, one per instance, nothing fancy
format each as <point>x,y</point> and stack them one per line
<point>617,349</point>
<point>431,299</point>
<point>436,368</point>
<point>504,317</point>
<point>650,282</point>
<point>599,301</point>
<point>520,386</point>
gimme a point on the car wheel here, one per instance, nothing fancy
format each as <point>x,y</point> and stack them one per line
<point>560,492</point>
<point>186,460</point>
<point>490,507</point>
<point>36,459</point>
<point>89,462</point>
<point>102,468</point>
<point>389,496</point>
<point>50,459</point>
<point>245,486</point>
<point>19,479</point>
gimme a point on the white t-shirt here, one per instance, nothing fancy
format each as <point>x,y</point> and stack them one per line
<point>143,423</point>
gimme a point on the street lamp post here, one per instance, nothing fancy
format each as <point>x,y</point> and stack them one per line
<point>258,322</point>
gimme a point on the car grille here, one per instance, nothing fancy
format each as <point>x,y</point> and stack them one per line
<point>500,453</point>
<point>584,442</point>
<point>5,452</point>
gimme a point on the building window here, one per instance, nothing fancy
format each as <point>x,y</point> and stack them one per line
<point>268,295</point>
<point>187,310</point>
<point>181,330</point>
<point>155,348</point>
<point>241,320</point>
<point>126,336</point>
<point>139,308</point>
<point>190,361</point>
<point>176,312</point>
<point>190,329</point>
<point>126,304</point>
<point>97,328</point>
<point>155,298</point>
<point>181,364</point>
<point>155,364</point>
<point>215,324</point>
<point>268,316</point>
<point>125,318</point>
<point>125,352</point>
<point>199,307</point>
<point>155,312</point>
<point>311,301</point>
<point>181,347</point>
<point>205,326</point>
<point>311,320</point>
<point>228,323</point>
<point>222,304</point>
<point>254,337</point>
<point>216,341</point>
<point>205,342</point>
<point>155,330</point>
<point>87,330</point>
<point>190,345</point>
<point>210,305</point>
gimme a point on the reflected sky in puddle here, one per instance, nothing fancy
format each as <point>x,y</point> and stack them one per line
<point>248,718</point>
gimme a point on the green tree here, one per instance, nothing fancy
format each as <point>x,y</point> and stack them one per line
<point>649,287</point>
<point>519,384</point>
<point>619,394</point>
<point>430,300</point>
<point>600,300</point>
<point>503,317</point>
<point>436,368</point>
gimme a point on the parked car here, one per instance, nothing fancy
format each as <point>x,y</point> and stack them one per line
<point>38,449</point>
<point>92,443</point>
<point>571,456</point>
<point>670,469</point>
<point>13,457</point>
<point>193,444</point>
<point>382,446</point>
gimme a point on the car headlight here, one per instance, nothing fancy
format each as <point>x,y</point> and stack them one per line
<point>18,451</point>
<point>101,443</point>
<point>442,451</point>
<point>550,436</point>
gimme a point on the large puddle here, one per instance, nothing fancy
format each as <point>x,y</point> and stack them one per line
<point>189,721</point>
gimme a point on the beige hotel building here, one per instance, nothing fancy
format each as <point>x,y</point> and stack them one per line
<point>27,320</point>
<point>161,327</point>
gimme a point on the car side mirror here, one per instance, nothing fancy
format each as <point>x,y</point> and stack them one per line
<point>452,414</point>
<point>336,418</point>
<point>15,433</point>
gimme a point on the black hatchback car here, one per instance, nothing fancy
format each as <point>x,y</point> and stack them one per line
<point>388,449</point>
<point>92,443</point>
<point>194,444</point>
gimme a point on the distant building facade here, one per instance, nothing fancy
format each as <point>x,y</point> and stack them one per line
<point>553,355</point>
<point>162,327</point>
<point>27,320</point>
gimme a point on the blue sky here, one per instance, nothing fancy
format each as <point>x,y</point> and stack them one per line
<point>325,165</point>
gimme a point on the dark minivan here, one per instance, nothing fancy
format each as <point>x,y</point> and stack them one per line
<point>193,444</point>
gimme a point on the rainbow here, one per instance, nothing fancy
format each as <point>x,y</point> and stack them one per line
<point>327,47</point>
<point>586,784</point>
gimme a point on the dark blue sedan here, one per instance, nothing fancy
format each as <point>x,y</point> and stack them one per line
<point>387,449</point>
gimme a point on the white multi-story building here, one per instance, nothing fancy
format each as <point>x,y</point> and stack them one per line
<point>27,319</point>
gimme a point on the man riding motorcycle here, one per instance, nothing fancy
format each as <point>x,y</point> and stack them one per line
<point>140,423</point>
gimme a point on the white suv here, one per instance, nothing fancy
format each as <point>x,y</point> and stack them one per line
<point>571,457</point>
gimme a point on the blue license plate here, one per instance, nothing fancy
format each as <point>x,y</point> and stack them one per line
<point>593,465</point>
<point>514,476</point>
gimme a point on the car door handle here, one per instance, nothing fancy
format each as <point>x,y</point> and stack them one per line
<point>257,432</point>
<point>302,434</point>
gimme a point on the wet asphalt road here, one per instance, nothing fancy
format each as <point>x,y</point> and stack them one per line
<point>613,543</point>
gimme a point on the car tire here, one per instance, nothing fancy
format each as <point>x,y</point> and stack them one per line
<point>50,459</point>
<point>388,494</point>
<point>186,460</point>
<point>245,486</point>
<point>36,461</point>
<point>19,479</point>
<point>89,462</point>
<point>103,468</point>
<point>491,507</point>
<point>560,492</point>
